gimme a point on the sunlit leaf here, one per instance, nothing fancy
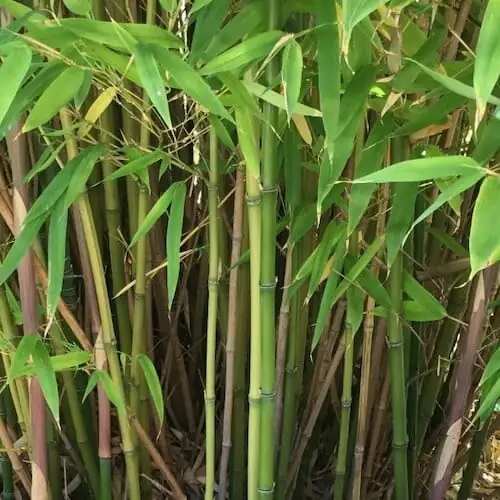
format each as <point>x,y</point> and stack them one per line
<point>80,7</point>
<point>291,75</point>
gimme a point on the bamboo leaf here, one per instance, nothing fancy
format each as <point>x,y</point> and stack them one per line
<point>106,33</point>
<point>159,208</point>
<point>174,235</point>
<point>492,367</point>
<point>416,312</point>
<point>291,75</point>
<point>154,385</point>
<point>425,300</point>
<point>136,165</point>
<point>80,7</point>
<point>60,363</point>
<point>57,95</point>
<point>327,38</point>
<point>424,169</point>
<point>12,73</point>
<point>402,214</point>
<point>19,249</point>
<point>327,300</point>
<point>110,389</point>
<point>370,161</point>
<point>355,303</point>
<point>95,111</point>
<point>169,5</point>
<point>84,90</point>
<point>21,355</point>
<point>46,160</point>
<point>458,87</point>
<point>247,140</point>
<point>354,11</point>
<point>199,4</point>
<point>278,100</point>
<point>56,256</point>
<point>191,82</point>
<point>152,81</point>
<point>93,379</point>
<point>484,244</point>
<point>486,69</point>
<point>488,400</point>
<point>221,132</point>
<point>86,162</point>
<point>46,377</point>
<point>256,47</point>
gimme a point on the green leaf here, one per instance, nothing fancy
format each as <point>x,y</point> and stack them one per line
<point>57,95</point>
<point>152,81</point>
<point>60,362</point>
<point>221,132</point>
<point>291,75</point>
<point>456,86</point>
<point>86,161</point>
<point>486,68</point>
<point>93,379</point>
<point>46,160</point>
<point>56,255</point>
<point>174,235</point>
<point>327,38</point>
<point>333,233</point>
<point>46,377</point>
<point>371,158</point>
<point>448,241</point>
<point>350,277</point>
<point>159,208</point>
<point>84,90</point>
<point>402,213</point>
<point>488,401</point>
<point>19,249</point>
<point>247,141</point>
<point>484,244</point>
<point>191,82</point>
<point>245,21</point>
<point>199,4</point>
<point>169,5</point>
<point>425,300</point>
<point>278,100</point>
<point>416,312</point>
<point>492,368</point>
<point>109,387</point>
<point>328,298</point>
<point>353,12</point>
<point>80,7</point>
<point>137,164</point>
<point>21,355</point>
<point>424,169</point>
<point>12,73</point>
<point>355,303</point>
<point>256,47</point>
<point>115,34</point>
<point>154,385</point>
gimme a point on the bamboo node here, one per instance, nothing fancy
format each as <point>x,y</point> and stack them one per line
<point>253,200</point>
<point>210,401</point>
<point>269,189</point>
<point>267,395</point>
<point>269,285</point>
<point>393,345</point>
<point>253,401</point>
<point>346,403</point>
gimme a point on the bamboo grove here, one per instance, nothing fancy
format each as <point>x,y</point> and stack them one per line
<point>248,248</point>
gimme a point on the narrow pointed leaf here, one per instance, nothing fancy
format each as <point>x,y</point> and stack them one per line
<point>136,165</point>
<point>486,68</point>
<point>422,297</point>
<point>174,235</point>
<point>484,245</point>
<point>237,57</point>
<point>152,81</point>
<point>22,353</point>
<point>492,368</point>
<point>424,169</point>
<point>327,37</point>
<point>247,140</point>
<point>97,108</point>
<point>159,208</point>
<point>191,82</point>
<point>154,385</point>
<point>57,95</point>
<point>488,400</point>
<point>46,377</point>
<point>80,7</point>
<point>291,75</point>
<point>56,255</point>
<point>47,158</point>
<point>12,72</point>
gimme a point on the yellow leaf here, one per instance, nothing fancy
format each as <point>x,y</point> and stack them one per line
<point>96,110</point>
<point>303,128</point>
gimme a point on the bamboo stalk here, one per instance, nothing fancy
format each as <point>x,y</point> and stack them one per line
<point>231,330</point>
<point>5,464</point>
<point>18,151</point>
<point>213,281</point>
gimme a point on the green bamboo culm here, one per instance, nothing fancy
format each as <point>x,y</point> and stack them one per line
<point>5,465</point>
<point>213,289</point>
<point>247,133</point>
<point>397,363</point>
<point>268,276</point>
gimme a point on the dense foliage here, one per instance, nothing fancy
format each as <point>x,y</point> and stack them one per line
<point>248,247</point>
